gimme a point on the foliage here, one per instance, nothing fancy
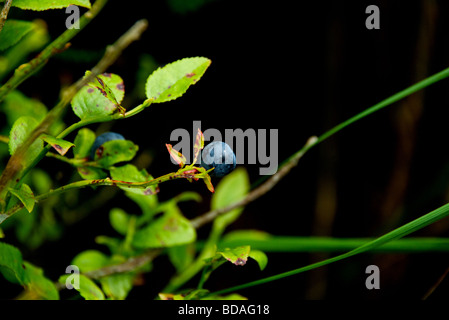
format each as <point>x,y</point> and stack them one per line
<point>30,198</point>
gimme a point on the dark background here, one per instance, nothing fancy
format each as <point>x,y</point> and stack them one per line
<point>301,68</point>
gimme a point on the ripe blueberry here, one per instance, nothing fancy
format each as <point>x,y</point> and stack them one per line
<point>220,156</point>
<point>102,138</point>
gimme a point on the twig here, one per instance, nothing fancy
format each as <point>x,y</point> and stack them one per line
<point>4,13</point>
<point>59,44</point>
<point>135,262</point>
<point>14,164</point>
<point>259,191</point>
<point>129,265</point>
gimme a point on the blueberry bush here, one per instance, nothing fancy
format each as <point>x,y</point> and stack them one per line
<point>101,164</point>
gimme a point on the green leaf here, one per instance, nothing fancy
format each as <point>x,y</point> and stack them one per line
<point>231,188</point>
<point>260,257</point>
<point>172,229</point>
<point>84,140</point>
<point>19,133</point>
<point>87,288</point>
<point>119,220</point>
<point>117,286</point>
<point>41,181</point>
<point>237,256</point>
<point>40,5</point>
<point>11,264</point>
<point>115,151</point>
<point>130,173</point>
<point>172,81</point>
<point>100,97</point>
<point>113,244</point>
<point>181,256</point>
<point>15,270</point>
<point>13,31</point>
<point>90,260</point>
<point>16,105</point>
<point>40,286</point>
<point>25,195</point>
<point>60,145</point>
<point>91,173</point>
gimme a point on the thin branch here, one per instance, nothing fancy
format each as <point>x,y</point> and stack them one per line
<point>112,53</point>
<point>4,13</point>
<point>136,262</point>
<point>259,191</point>
<point>14,165</point>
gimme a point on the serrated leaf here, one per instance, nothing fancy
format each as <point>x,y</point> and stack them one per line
<point>13,31</point>
<point>25,195</point>
<point>233,187</point>
<point>87,288</point>
<point>172,81</point>
<point>176,155</point>
<point>115,151</point>
<point>260,257</point>
<point>20,131</point>
<point>101,97</point>
<point>40,5</point>
<point>60,145</point>
<point>172,229</point>
<point>130,173</point>
<point>84,140</point>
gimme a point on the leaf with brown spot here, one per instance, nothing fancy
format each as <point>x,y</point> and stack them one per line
<point>60,145</point>
<point>172,81</point>
<point>101,97</point>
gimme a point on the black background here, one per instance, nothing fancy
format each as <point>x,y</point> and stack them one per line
<point>301,68</point>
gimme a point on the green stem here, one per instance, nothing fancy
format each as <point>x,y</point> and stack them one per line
<point>398,233</point>
<point>26,70</point>
<point>329,244</point>
<point>96,182</point>
<point>384,103</point>
<point>80,124</point>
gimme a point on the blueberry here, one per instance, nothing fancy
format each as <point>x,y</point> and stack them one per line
<point>102,138</point>
<point>220,156</point>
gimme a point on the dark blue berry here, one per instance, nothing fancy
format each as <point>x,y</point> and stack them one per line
<point>220,156</point>
<point>102,138</point>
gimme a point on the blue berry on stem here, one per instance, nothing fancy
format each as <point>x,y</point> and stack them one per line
<point>102,138</point>
<point>220,156</point>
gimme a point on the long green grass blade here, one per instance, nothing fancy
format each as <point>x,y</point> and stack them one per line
<point>398,233</point>
<point>329,244</point>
